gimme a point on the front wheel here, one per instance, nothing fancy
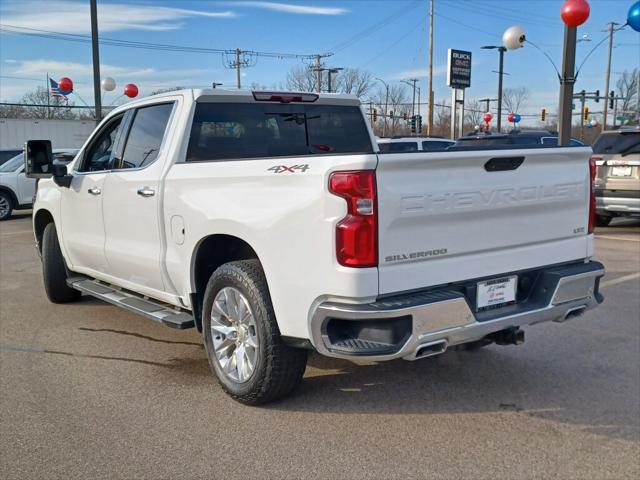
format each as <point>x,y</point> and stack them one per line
<point>242,338</point>
<point>54,270</point>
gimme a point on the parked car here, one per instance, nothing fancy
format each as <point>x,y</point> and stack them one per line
<point>617,157</point>
<point>267,221</point>
<point>8,154</point>
<point>413,144</point>
<point>16,190</point>
<point>541,138</point>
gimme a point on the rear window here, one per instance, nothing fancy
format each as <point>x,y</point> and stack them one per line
<point>617,143</point>
<point>225,131</point>
<point>398,147</point>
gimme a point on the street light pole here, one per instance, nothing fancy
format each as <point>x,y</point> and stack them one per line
<point>430,90</point>
<point>500,75</point>
<point>567,80</point>
<point>612,26</point>
<point>501,51</point>
<point>95,50</point>
<point>329,72</point>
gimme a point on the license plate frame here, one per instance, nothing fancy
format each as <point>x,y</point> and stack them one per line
<point>496,293</point>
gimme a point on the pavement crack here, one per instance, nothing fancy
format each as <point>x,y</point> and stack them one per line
<point>138,335</point>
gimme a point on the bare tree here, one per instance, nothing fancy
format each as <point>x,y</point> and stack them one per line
<point>392,111</point>
<point>627,86</point>
<point>473,113</point>
<point>513,99</point>
<point>350,80</point>
<point>13,111</point>
<point>165,90</point>
<point>58,107</point>
<point>302,78</point>
<point>353,81</point>
<point>442,119</point>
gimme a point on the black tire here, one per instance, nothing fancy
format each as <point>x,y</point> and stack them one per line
<point>6,206</point>
<point>603,220</point>
<point>278,367</point>
<point>54,270</point>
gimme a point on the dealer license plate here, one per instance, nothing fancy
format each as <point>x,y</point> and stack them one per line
<point>496,293</point>
<point>620,171</point>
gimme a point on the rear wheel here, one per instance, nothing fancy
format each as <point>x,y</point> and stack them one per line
<point>54,269</point>
<point>6,206</point>
<point>242,338</point>
<point>603,220</point>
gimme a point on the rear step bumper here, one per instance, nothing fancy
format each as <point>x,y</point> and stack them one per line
<point>443,318</point>
<point>160,312</point>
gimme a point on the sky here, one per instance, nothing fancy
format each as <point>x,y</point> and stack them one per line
<point>389,38</point>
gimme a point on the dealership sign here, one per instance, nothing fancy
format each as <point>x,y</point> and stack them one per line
<point>458,68</point>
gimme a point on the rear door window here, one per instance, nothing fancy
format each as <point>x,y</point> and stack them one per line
<point>226,131</point>
<point>435,145</point>
<point>145,136</point>
<point>398,147</point>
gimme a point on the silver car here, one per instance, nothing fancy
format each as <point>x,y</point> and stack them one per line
<point>617,157</point>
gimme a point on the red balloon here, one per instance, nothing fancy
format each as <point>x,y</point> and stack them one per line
<point>511,117</point>
<point>131,90</point>
<point>575,12</point>
<point>65,84</point>
<point>487,117</point>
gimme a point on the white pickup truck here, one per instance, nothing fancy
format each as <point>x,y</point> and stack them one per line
<point>268,221</point>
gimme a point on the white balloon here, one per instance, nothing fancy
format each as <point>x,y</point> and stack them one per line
<point>108,84</point>
<point>513,38</point>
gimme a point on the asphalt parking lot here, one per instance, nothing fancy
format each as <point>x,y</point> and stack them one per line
<point>91,391</point>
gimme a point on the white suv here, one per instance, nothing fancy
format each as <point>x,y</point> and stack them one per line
<point>413,144</point>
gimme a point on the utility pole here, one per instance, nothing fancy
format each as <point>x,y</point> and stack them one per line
<point>237,65</point>
<point>96,60</point>
<point>612,26</point>
<point>488,102</point>
<point>318,70</point>
<point>430,91</point>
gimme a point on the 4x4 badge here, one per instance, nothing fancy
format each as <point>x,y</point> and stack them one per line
<point>289,169</point>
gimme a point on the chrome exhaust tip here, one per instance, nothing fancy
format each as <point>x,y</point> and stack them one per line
<point>431,349</point>
<point>573,313</point>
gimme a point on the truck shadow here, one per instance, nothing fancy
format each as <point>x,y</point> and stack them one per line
<point>495,379</point>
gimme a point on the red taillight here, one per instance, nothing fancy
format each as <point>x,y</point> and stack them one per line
<point>592,197</point>
<point>357,233</point>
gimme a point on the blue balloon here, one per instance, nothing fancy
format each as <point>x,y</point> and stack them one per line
<point>633,17</point>
<point>517,118</point>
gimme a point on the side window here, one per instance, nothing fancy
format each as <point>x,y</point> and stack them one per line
<point>100,151</point>
<point>435,145</point>
<point>145,136</point>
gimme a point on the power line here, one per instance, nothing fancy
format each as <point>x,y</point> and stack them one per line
<point>52,35</point>
<point>373,28</point>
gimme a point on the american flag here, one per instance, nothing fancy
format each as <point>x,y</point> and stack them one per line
<point>55,89</point>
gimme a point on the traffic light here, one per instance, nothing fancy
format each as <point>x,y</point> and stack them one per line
<point>412,124</point>
<point>391,114</point>
<point>404,115</point>
<point>419,123</point>
<point>375,115</point>
<point>612,95</point>
<point>543,114</point>
<point>597,99</point>
<point>586,113</point>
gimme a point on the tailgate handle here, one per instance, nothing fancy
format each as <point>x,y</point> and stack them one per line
<point>501,164</point>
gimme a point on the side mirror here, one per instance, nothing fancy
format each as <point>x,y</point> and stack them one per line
<point>38,159</point>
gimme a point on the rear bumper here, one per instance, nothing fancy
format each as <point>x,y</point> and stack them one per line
<point>444,317</point>
<point>619,203</point>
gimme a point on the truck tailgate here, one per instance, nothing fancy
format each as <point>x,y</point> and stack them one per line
<point>450,216</point>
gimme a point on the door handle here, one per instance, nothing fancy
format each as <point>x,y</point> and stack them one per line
<point>94,191</point>
<point>146,192</point>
